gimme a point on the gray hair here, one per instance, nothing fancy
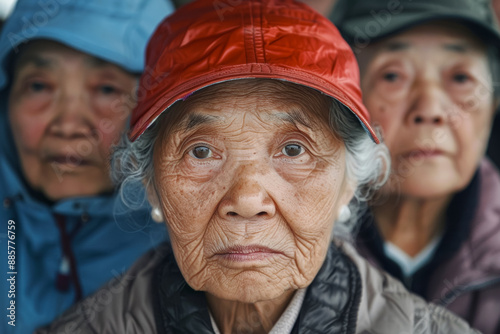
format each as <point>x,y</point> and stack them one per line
<point>367,164</point>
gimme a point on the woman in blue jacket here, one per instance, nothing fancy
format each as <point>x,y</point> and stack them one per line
<point>68,81</point>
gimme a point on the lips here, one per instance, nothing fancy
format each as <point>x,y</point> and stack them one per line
<point>69,160</point>
<point>247,253</point>
<point>421,154</point>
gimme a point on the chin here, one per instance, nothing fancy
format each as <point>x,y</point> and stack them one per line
<point>429,181</point>
<point>56,190</point>
<point>430,187</point>
<point>248,290</point>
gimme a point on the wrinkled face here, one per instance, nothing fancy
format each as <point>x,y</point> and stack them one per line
<point>430,90</point>
<point>250,180</point>
<point>66,109</point>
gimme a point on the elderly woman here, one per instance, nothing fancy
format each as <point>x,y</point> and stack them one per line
<point>427,78</point>
<point>252,146</point>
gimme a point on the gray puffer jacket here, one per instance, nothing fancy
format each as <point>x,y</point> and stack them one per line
<point>347,296</point>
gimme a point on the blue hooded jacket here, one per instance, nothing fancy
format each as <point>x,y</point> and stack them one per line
<point>58,252</point>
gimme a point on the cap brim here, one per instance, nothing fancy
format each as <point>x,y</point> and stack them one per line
<point>165,101</point>
<point>78,37</point>
<point>360,35</point>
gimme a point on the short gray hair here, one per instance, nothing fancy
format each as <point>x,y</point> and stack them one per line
<point>367,164</point>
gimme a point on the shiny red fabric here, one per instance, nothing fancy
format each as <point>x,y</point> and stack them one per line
<point>212,41</point>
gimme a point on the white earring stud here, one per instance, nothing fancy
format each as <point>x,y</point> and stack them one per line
<point>344,214</point>
<point>157,215</point>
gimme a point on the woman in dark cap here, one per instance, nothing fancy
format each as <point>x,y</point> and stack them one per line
<point>428,74</point>
<point>252,147</point>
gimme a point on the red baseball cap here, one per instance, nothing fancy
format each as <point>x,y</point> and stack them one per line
<point>208,42</point>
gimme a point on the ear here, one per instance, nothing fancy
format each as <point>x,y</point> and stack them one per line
<point>152,194</point>
<point>154,200</point>
<point>348,194</point>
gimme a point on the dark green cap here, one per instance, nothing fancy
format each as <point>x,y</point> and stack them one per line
<point>364,21</point>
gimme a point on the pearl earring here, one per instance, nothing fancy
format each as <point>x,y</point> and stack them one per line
<point>157,215</point>
<point>344,214</point>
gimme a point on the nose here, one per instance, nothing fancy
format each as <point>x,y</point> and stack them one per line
<point>247,198</point>
<point>430,106</point>
<point>72,117</point>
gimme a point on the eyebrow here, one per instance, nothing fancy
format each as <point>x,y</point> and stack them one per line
<point>36,60</point>
<point>460,48</point>
<point>96,62</point>
<point>455,47</point>
<point>41,61</point>
<point>396,46</point>
<point>195,120</point>
<point>293,117</point>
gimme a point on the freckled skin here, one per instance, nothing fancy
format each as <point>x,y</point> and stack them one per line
<point>427,96</point>
<point>74,107</point>
<point>250,193</point>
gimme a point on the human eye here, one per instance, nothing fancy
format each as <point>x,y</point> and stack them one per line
<point>390,76</point>
<point>393,75</point>
<point>392,71</point>
<point>108,89</point>
<point>461,78</point>
<point>200,152</point>
<point>37,86</point>
<point>295,158</point>
<point>292,150</point>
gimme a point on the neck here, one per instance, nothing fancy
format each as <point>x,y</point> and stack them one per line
<point>411,223</point>
<point>237,317</point>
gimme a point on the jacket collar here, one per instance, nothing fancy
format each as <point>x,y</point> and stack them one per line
<point>330,305</point>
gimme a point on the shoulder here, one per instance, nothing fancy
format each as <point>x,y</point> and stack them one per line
<point>484,239</point>
<point>490,182</point>
<point>387,307</point>
<point>108,310</point>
